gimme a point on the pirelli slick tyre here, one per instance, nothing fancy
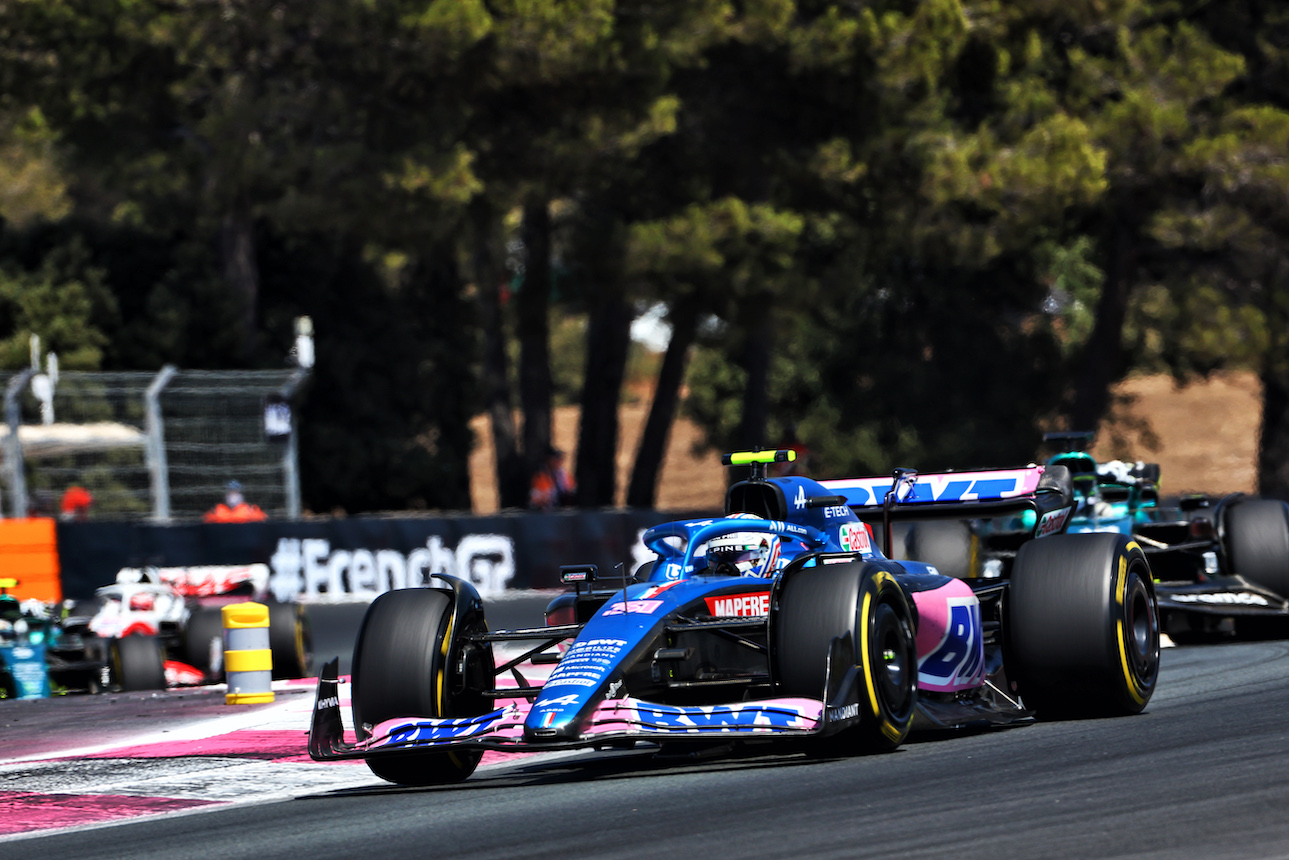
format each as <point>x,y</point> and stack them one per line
<point>290,640</point>
<point>1256,537</point>
<point>1081,626</point>
<point>203,641</point>
<point>406,663</point>
<point>858,614</point>
<point>138,663</point>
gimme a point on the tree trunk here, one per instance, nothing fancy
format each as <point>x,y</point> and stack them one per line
<point>1273,438</point>
<point>241,272</point>
<point>533,308</point>
<point>643,491</point>
<point>608,338</point>
<point>757,353</point>
<point>1101,360</point>
<point>436,297</point>
<point>490,279</point>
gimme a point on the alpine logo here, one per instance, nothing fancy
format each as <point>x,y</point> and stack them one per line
<point>754,605</point>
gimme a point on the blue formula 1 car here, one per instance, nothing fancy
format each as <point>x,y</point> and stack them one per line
<point>1220,566</point>
<point>781,621</point>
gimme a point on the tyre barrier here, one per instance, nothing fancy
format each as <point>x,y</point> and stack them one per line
<point>248,660</point>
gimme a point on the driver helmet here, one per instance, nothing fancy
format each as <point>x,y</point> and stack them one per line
<point>744,554</point>
<point>142,602</point>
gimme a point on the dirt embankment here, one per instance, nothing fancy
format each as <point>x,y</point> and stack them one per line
<point>1204,437</point>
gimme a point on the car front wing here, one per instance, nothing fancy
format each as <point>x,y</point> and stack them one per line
<point>611,720</point>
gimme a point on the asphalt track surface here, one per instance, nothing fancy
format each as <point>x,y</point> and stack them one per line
<point>1203,773</point>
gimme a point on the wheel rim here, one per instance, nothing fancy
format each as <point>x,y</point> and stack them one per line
<point>893,669</point>
<point>1141,630</point>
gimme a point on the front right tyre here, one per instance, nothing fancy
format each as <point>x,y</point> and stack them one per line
<point>1081,626</point>
<point>862,608</point>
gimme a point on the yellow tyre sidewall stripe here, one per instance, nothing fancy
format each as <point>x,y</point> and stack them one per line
<point>889,729</point>
<point>1121,587</point>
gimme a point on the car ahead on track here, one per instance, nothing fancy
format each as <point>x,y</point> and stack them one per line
<point>1213,562</point>
<point>44,651</point>
<point>778,622</point>
<point>180,607</point>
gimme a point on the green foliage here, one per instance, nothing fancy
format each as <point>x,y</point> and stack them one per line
<point>923,214</point>
<point>33,186</point>
<point>64,301</point>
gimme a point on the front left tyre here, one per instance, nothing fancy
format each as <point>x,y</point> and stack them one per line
<point>409,662</point>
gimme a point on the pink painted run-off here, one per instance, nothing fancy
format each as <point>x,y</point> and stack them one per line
<point>277,745</point>
<point>23,812</point>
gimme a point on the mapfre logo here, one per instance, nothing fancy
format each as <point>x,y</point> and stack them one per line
<point>755,605</point>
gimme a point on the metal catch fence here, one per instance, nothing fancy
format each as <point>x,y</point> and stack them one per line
<point>149,446</point>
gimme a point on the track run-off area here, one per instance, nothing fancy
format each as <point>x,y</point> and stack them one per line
<point>1204,772</point>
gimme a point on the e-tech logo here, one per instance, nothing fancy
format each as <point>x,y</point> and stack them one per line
<point>310,566</point>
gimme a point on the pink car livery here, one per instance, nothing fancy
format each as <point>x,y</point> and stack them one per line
<point>781,621</point>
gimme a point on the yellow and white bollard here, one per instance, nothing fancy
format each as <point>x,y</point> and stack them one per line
<point>248,660</point>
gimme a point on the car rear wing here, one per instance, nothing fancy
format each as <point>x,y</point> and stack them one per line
<point>987,494</point>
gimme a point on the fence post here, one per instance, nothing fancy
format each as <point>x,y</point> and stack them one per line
<point>156,445</point>
<point>13,445</point>
<point>291,457</point>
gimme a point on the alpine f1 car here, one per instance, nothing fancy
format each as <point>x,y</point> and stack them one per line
<point>781,621</point>
<point>1213,562</point>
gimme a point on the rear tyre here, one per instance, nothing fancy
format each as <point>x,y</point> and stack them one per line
<point>204,641</point>
<point>945,544</point>
<point>863,607</point>
<point>404,665</point>
<point>289,640</point>
<point>1082,626</point>
<point>137,663</point>
<point>1257,543</point>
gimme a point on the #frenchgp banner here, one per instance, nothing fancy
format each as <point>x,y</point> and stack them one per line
<point>361,557</point>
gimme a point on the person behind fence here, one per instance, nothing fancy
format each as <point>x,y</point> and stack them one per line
<point>552,485</point>
<point>234,508</point>
<point>75,504</point>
